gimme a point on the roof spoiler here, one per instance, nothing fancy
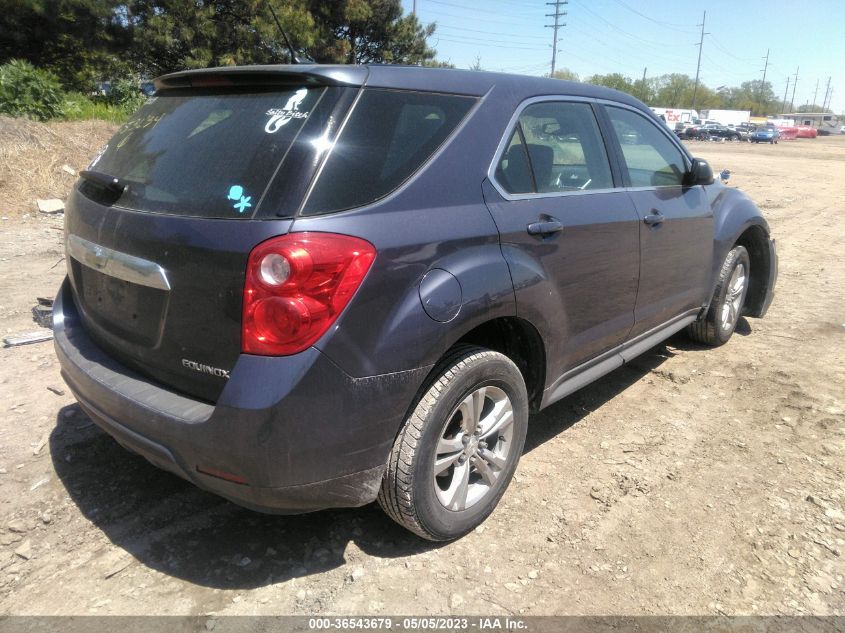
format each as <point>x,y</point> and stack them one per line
<point>264,76</point>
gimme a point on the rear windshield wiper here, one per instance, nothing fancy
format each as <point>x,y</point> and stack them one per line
<point>111,183</point>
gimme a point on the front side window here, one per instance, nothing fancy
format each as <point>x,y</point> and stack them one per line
<point>652,159</point>
<point>564,149</point>
<point>388,137</point>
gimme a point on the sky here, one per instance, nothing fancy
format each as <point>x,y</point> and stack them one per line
<point>627,36</point>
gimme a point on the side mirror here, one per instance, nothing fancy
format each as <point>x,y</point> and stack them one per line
<point>700,173</point>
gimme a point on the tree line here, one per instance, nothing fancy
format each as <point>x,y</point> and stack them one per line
<point>676,90</point>
<point>85,41</point>
<point>82,42</point>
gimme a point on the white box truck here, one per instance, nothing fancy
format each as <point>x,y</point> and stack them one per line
<point>731,118</point>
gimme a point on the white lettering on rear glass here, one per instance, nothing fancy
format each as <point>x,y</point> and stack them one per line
<point>280,117</point>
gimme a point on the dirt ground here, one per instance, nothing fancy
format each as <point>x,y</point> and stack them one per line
<point>693,481</point>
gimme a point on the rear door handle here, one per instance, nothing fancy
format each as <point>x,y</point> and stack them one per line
<point>655,217</point>
<point>546,227</point>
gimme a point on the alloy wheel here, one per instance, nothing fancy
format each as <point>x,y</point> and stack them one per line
<point>474,448</point>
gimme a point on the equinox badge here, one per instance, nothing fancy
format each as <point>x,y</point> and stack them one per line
<point>205,369</point>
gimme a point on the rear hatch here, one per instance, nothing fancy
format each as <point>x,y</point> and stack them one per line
<point>160,227</point>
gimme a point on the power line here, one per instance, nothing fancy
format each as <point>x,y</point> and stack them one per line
<point>557,4</point>
<point>669,25</point>
<point>616,28</point>
<point>509,17</point>
<point>722,49</point>
<point>511,38</point>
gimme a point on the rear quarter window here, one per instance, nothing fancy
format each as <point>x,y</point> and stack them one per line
<point>390,134</point>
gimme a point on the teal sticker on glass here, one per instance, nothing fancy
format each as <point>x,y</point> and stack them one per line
<point>242,202</point>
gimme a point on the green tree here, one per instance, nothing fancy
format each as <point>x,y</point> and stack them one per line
<point>83,41</point>
<point>674,91</point>
<point>433,63</point>
<point>369,31</point>
<point>29,92</point>
<point>171,35</point>
<point>813,107</point>
<point>617,81</point>
<point>565,74</point>
<point>752,95</point>
<point>80,41</point>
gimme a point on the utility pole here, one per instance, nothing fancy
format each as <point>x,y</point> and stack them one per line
<point>414,10</point>
<point>557,15</point>
<point>794,85</point>
<point>830,100</point>
<point>698,67</point>
<point>785,92</point>
<point>763,83</point>
<point>827,90</point>
<point>642,92</point>
<point>816,93</point>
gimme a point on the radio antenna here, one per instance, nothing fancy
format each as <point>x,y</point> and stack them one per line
<point>294,58</point>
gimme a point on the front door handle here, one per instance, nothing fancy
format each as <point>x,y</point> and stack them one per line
<point>655,217</point>
<point>547,227</point>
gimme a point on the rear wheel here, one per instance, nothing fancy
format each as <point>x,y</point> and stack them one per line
<point>717,326</point>
<point>457,451</point>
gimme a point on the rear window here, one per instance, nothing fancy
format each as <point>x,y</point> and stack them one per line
<point>206,155</point>
<point>389,135</point>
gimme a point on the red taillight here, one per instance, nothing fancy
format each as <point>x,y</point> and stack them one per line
<point>296,286</point>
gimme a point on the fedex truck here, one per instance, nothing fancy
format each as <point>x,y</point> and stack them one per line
<point>677,118</point>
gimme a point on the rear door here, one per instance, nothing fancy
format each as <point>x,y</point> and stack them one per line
<point>570,236</point>
<point>157,263</point>
<point>676,229</point>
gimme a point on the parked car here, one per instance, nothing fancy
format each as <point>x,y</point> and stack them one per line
<point>806,131</point>
<point>304,287</point>
<point>716,130</point>
<point>741,130</point>
<point>766,134</point>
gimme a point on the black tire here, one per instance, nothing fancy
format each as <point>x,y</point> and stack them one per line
<point>711,329</point>
<point>408,494</point>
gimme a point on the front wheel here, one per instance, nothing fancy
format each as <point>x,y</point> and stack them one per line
<point>458,449</point>
<point>717,326</point>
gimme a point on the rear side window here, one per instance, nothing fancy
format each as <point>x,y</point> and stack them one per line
<point>388,136</point>
<point>564,148</point>
<point>514,170</point>
<point>205,155</point>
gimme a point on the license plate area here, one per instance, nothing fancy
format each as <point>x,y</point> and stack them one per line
<point>128,310</point>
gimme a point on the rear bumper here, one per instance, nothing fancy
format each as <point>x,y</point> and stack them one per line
<point>300,432</point>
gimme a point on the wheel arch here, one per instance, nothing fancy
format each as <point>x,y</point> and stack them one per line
<point>738,221</point>
<point>516,338</point>
<point>520,341</point>
<point>756,242</point>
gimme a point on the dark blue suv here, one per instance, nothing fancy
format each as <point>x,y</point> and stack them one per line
<point>304,287</point>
